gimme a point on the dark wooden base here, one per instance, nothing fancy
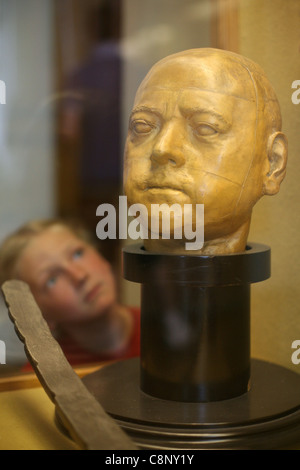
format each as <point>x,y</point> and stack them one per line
<point>265,417</point>
<point>195,321</point>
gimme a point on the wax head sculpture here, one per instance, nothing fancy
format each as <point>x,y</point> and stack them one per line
<point>205,129</point>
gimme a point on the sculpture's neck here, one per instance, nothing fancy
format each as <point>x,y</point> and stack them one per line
<point>232,243</point>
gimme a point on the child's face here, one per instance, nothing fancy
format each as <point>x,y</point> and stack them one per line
<point>70,281</point>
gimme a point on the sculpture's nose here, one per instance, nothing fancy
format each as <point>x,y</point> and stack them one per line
<point>168,147</point>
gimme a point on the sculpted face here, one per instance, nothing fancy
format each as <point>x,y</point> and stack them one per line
<point>196,137</point>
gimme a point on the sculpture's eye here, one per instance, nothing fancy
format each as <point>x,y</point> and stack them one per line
<point>204,130</point>
<point>140,126</point>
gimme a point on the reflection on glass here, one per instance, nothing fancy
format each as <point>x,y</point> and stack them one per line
<point>68,73</point>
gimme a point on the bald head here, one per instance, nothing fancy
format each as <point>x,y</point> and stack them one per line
<point>226,72</point>
<point>205,129</point>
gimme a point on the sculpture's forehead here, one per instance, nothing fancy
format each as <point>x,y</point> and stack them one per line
<point>219,76</point>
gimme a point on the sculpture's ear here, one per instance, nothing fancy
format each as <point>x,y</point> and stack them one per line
<point>277,156</point>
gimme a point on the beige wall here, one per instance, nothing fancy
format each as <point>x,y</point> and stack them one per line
<point>270,35</point>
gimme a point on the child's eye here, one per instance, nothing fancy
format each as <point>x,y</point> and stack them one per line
<point>78,253</point>
<point>51,281</point>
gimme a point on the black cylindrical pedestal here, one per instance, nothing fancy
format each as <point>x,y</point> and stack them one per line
<point>195,321</point>
<point>194,353</point>
<point>195,342</point>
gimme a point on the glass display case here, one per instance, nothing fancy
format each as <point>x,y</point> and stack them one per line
<point>69,71</point>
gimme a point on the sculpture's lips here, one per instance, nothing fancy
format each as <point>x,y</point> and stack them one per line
<point>163,187</point>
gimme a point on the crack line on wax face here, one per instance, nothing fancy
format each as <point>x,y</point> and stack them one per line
<point>255,139</point>
<point>172,89</point>
<point>220,176</point>
<point>149,183</point>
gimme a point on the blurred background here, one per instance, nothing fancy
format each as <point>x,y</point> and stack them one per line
<point>71,69</point>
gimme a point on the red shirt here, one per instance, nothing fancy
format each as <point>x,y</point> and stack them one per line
<point>78,356</point>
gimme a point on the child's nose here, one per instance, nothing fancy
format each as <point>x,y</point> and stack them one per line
<point>77,274</point>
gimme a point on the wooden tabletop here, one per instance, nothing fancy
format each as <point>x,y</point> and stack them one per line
<point>27,415</point>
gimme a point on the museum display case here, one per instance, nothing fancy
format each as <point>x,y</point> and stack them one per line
<point>220,332</point>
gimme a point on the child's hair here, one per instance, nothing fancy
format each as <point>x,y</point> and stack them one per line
<point>14,244</point>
